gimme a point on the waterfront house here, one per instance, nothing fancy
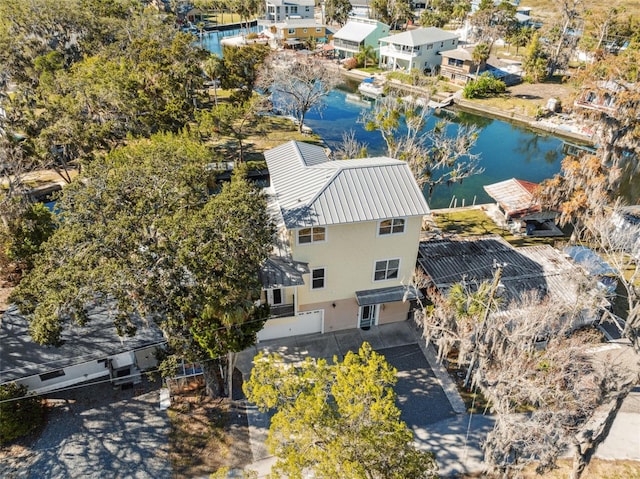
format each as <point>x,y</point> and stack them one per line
<point>294,33</point>
<point>281,10</point>
<point>86,353</point>
<point>458,65</point>
<point>416,49</point>
<point>356,34</point>
<point>348,240</point>
<point>540,269</point>
<point>601,96</point>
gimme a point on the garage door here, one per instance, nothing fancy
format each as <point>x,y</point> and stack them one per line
<point>306,322</point>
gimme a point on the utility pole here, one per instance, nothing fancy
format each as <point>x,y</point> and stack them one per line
<point>485,317</point>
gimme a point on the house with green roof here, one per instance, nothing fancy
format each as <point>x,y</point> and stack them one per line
<point>358,33</point>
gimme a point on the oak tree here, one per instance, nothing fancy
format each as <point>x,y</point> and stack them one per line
<point>140,234</point>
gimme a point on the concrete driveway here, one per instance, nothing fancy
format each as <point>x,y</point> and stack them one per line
<point>429,402</point>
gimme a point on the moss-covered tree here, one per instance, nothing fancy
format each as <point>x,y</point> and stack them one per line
<point>140,234</point>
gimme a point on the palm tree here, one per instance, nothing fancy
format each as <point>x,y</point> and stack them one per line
<point>212,67</point>
<point>480,55</point>
<point>367,52</point>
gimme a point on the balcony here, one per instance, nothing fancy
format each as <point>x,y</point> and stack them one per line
<point>399,53</point>
<point>282,310</point>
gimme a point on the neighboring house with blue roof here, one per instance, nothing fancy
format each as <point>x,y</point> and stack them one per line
<point>358,33</point>
<point>594,266</point>
<point>348,241</point>
<point>417,49</point>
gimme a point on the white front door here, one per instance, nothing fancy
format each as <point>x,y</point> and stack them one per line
<point>368,316</point>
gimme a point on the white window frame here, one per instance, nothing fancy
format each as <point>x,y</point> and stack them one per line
<point>386,269</point>
<point>392,226</point>
<point>324,278</point>
<point>311,234</point>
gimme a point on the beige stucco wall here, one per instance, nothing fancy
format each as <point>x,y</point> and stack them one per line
<point>344,315</point>
<point>349,254</point>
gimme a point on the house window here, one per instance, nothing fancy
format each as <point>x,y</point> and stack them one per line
<point>51,375</point>
<point>318,30</point>
<point>386,269</point>
<point>294,9</point>
<point>441,44</point>
<point>292,31</point>
<point>391,226</point>
<point>318,276</point>
<point>430,46</point>
<point>304,30</point>
<point>311,235</point>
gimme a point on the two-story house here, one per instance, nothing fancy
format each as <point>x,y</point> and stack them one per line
<point>293,33</point>
<point>281,10</point>
<point>416,49</point>
<point>356,34</point>
<point>458,65</point>
<point>349,236</point>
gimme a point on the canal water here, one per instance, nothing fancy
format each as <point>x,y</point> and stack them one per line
<point>506,150</point>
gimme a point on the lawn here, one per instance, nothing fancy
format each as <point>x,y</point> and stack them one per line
<point>475,222</point>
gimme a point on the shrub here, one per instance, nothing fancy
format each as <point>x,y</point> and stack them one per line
<point>350,63</point>
<point>20,417</point>
<point>484,86</point>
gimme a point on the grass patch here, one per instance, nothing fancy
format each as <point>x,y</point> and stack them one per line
<point>507,103</point>
<point>475,222</point>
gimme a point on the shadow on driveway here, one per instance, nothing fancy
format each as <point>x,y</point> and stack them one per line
<point>98,432</point>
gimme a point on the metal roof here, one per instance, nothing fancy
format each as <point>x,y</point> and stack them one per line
<point>473,260</point>
<point>282,272</point>
<point>591,261</point>
<point>21,356</point>
<point>293,2</point>
<point>312,190</point>
<point>514,196</point>
<point>391,294</point>
<point>355,31</point>
<point>420,36</point>
<point>464,54</point>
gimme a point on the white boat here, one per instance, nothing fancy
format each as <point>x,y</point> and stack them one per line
<point>371,88</point>
<point>357,99</point>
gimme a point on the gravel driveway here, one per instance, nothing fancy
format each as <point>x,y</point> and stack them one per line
<point>98,432</point>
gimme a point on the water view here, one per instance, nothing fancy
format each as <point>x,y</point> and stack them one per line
<point>507,150</point>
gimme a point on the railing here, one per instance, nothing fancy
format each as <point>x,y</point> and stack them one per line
<point>345,44</point>
<point>282,310</point>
